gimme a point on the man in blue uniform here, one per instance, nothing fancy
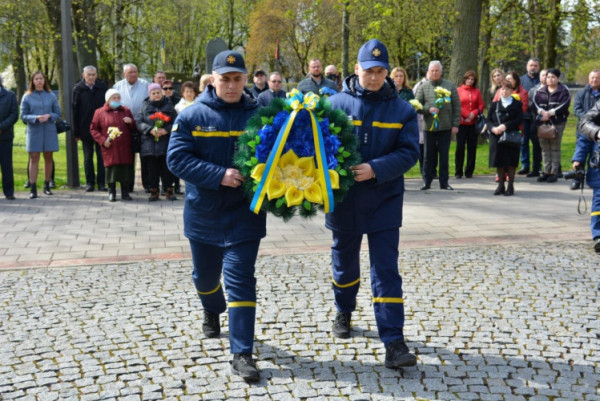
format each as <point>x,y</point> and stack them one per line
<point>386,127</point>
<point>224,234</point>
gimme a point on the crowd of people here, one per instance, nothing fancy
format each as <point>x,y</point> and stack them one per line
<point>193,136</point>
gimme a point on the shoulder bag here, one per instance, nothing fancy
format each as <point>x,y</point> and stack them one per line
<point>62,126</point>
<point>509,138</point>
<point>546,131</point>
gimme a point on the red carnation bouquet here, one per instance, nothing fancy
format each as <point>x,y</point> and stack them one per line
<point>160,119</point>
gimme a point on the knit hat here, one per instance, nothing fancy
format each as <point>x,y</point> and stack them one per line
<point>109,93</point>
<point>554,71</point>
<point>154,86</point>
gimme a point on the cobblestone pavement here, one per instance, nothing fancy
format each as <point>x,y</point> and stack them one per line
<point>498,322</point>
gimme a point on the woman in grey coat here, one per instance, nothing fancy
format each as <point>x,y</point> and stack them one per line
<point>39,111</point>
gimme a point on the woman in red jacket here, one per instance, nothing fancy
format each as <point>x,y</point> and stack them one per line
<point>112,127</point>
<point>471,104</point>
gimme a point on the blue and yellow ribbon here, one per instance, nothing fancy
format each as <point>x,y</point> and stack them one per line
<point>439,103</point>
<point>297,102</point>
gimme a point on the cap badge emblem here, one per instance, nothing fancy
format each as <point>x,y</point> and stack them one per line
<point>231,59</point>
<point>376,52</point>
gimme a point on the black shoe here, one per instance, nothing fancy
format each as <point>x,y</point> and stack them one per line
<point>244,366</point>
<point>102,188</point>
<point>552,178</point>
<point>469,176</point>
<point>112,196</point>
<point>575,185</point>
<point>47,190</point>
<point>510,189</point>
<point>597,245</point>
<point>447,187</point>
<point>425,187</point>
<point>499,190</point>
<point>341,325</point>
<point>89,188</point>
<point>27,184</point>
<point>533,174</point>
<point>211,326</point>
<point>10,197</point>
<point>52,184</point>
<point>523,171</point>
<point>543,177</point>
<point>397,355</point>
<point>125,195</point>
<point>458,176</point>
<point>33,193</point>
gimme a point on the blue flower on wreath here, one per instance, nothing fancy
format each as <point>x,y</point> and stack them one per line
<point>279,119</point>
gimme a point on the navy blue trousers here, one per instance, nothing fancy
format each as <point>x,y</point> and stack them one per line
<point>595,223</point>
<point>386,283</point>
<point>236,263</point>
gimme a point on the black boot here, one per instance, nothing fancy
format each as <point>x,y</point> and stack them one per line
<point>501,177</point>
<point>47,190</point>
<point>124,192</point>
<point>33,189</point>
<point>244,366</point>
<point>112,192</point>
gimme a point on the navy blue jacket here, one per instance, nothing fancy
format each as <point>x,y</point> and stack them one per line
<point>388,135</point>
<point>584,101</point>
<point>589,126</point>
<point>527,83</point>
<point>201,148</point>
<point>265,97</point>
<point>9,114</point>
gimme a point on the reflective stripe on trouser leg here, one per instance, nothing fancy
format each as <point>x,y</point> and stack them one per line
<point>240,284</point>
<point>386,284</point>
<point>595,221</point>
<point>345,261</point>
<point>208,264</point>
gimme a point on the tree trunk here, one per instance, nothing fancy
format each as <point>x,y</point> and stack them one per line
<point>552,24</point>
<point>19,63</point>
<point>465,45</point>
<point>345,39</point>
<point>485,41</point>
<point>84,18</point>
<point>53,9</point>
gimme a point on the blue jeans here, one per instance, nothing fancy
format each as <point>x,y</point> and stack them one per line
<point>386,283</point>
<point>236,262</point>
<point>530,134</point>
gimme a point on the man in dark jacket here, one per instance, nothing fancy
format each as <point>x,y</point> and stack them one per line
<point>224,234</point>
<point>260,84</point>
<point>389,145</point>
<point>9,114</point>
<point>584,101</point>
<point>88,96</point>
<point>315,80</point>
<point>275,84</point>
<point>528,81</point>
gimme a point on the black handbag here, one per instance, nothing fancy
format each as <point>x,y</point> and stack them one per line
<point>509,138</point>
<point>62,126</point>
<point>480,125</point>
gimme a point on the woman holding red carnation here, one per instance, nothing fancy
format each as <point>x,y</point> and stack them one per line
<point>154,122</point>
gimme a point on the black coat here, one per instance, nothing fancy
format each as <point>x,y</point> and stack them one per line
<point>151,146</point>
<point>511,117</point>
<point>9,114</point>
<point>84,104</point>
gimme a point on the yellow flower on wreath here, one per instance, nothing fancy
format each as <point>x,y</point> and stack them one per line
<point>296,178</point>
